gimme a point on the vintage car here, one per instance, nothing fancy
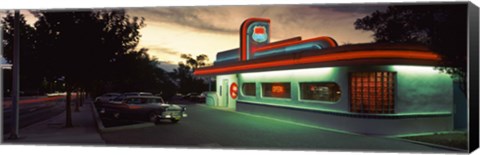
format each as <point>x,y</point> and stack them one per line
<point>196,97</point>
<point>120,97</point>
<point>150,108</point>
<point>137,94</point>
<point>105,98</point>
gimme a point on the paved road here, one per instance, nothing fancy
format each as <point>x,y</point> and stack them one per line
<point>209,127</point>
<point>33,110</point>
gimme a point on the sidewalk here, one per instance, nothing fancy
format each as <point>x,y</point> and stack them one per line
<point>52,131</point>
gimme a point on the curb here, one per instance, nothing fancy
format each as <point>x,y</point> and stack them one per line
<point>127,127</point>
<point>433,145</point>
<point>429,144</point>
<point>102,129</point>
<point>99,122</point>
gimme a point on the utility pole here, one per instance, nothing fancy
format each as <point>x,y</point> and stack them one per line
<point>15,78</point>
<point>3,65</point>
<point>1,80</point>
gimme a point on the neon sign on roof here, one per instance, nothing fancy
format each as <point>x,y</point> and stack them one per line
<point>259,34</point>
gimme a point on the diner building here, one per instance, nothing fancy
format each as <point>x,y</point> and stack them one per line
<point>373,89</point>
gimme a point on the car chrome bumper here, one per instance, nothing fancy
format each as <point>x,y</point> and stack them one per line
<point>170,115</point>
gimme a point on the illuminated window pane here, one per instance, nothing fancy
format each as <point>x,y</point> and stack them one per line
<point>278,90</point>
<point>320,91</point>
<point>372,92</point>
<point>249,89</point>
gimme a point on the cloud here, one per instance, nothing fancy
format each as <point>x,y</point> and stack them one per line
<point>353,8</point>
<point>287,20</point>
<point>163,50</point>
<point>210,29</point>
<point>196,17</point>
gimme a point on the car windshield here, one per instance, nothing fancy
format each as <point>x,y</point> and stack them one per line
<point>118,98</point>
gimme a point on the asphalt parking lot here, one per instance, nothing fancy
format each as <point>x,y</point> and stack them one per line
<point>211,127</point>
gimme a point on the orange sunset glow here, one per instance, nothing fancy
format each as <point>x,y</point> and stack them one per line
<point>172,31</point>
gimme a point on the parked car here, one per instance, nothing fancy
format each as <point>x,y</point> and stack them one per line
<point>119,98</point>
<point>179,95</point>
<point>189,95</point>
<point>149,108</point>
<point>196,97</point>
<point>105,98</point>
<point>137,94</point>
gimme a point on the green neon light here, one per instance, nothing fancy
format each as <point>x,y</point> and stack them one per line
<point>421,90</point>
<point>288,73</point>
<point>406,69</point>
<point>424,134</point>
<point>343,112</point>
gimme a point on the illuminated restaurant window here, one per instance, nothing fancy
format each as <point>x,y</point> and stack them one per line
<point>320,91</point>
<point>249,89</point>
<point>372,92</point>
<point>278,90</point>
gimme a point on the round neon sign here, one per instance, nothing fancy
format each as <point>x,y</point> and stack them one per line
<point>259,34</point>
<point>234,90</point>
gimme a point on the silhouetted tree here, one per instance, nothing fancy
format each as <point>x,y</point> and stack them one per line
<point>184,74</point>
<point>442,27</point>
<point>82,46</point>
<point>30,75</point>
<point>88,50</point>
<point>139,72</point>
<point>193,63</point>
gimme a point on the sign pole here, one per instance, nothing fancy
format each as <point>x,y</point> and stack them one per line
<point>16,79</point>
<point>1,81</point>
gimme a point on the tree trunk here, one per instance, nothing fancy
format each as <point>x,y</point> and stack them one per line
<point>82,97</point>
<point>68,122</point>
<point>463,83</point>
<point>77,102</point>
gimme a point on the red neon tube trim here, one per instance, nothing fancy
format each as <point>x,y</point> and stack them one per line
<point>325,58</point>
<point>269,47</point>
<point>246,23</point>
<point>294,39</point>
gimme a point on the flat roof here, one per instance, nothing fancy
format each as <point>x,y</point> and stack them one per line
<point>347,55</point>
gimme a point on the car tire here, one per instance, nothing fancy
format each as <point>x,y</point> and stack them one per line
<point>153,117</point>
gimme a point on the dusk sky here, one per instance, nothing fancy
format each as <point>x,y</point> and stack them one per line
<point>171,31</point>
